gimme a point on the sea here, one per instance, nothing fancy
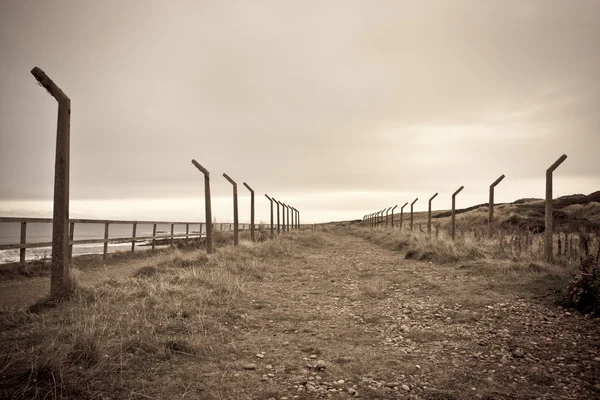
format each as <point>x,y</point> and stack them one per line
<point>10,233</point>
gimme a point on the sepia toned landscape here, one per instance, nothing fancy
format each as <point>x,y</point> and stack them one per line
<point>279,200</point>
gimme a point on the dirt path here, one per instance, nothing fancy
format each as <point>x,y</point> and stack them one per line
<point>349,319</point>
<point>384,327</point>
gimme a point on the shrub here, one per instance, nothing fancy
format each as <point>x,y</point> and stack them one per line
<point>584,289</point>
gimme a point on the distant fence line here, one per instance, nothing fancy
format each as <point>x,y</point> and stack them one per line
<point>376,218</point>
<point>190,233</point>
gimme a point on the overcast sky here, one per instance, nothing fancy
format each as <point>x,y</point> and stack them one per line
<point>339,108</point>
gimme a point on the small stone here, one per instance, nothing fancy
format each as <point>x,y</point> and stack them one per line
<point>250,366</point>
<point>518,353</point>
<point>269,366</point>
<point>340,382</point>
<point>259,355</point>
<point>271,375</point>
<point>321,364</point>
<point>352,392</point>
<point>313,356</point>
<point>504,360</point>
<point>405,387</point>
<point>404,328</point>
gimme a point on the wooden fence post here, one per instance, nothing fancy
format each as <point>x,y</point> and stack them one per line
<point>429,215</point>
<point>22,259</point>
<point>208,209</point>
<point>549,217</point>
<point>105,241</point>
<point>491,205</point>
<point>411,213</point>
<point>272,228</point>
<point>153,236</point>
<point>291,209</point>
<point>71,237</point>
<point>452,223</point>
<point>172,233</point>
<point>251,210</point>
<point>59,278</point>
<point>386,216</point>
<point>133,237</point>
<point>402,214</point>
<point>236,238</point>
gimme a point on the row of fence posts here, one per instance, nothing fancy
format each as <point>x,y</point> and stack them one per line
<point>59,278</point>
<point>290,215</point>
<point>375,219</point>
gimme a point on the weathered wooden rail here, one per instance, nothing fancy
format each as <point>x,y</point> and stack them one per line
<point>23,245</point>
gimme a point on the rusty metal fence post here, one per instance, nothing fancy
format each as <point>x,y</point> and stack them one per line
<point>402,214</point>
<point>411,213</point>
<point>208,209</point>
<point>491,205</point>
<point>272,228</point>
<point>59,278</point>
<point>236,238</point>
<point>453,219</point>
<point>292,217</point>
<point>251,210</point>
<point>549,217</point>
<point>429,215</point>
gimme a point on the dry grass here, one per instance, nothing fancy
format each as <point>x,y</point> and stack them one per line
<point>105,339</point>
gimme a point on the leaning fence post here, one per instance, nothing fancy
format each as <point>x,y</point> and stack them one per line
<point>491,205</point>
<point>286,224</point>
<point>235,211</point>
<point>292,217</point>
<point>549,217</point>
<point>402,214</point>
<point>208,210</point>
<point>453,222</point>
<point>411,213</point>
<point>251,210</point>
<point>272,229</point>
<point>429,215</point>
<point>59,279</point>
<point>386,216</point>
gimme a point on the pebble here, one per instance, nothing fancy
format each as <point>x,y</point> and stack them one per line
<point>518,353</point>
<point>259,355</point>
<point>405,387</point>
<point>321,364</point>
<point>250,366</point>
<point>352,392</point>
<point>404,328</point>
<point>313,356</point>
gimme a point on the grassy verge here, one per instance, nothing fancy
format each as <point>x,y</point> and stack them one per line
<point>518,268</point>
<point>123,337</point>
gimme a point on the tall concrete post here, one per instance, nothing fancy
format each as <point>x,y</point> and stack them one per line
<point>236,233</point>
<point>453,222</point>
<point>393,215</point>
<point>548,231</point>
<point>491,205</point>
<point>251,210</point>
<point>429,215</point>
<point>207,207</point>
<point>402,214</point>
<point>411,213</point>
<point>60,284</point>
<point>272,228</point>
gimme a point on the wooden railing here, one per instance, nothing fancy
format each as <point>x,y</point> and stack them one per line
<point>23,245</point>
